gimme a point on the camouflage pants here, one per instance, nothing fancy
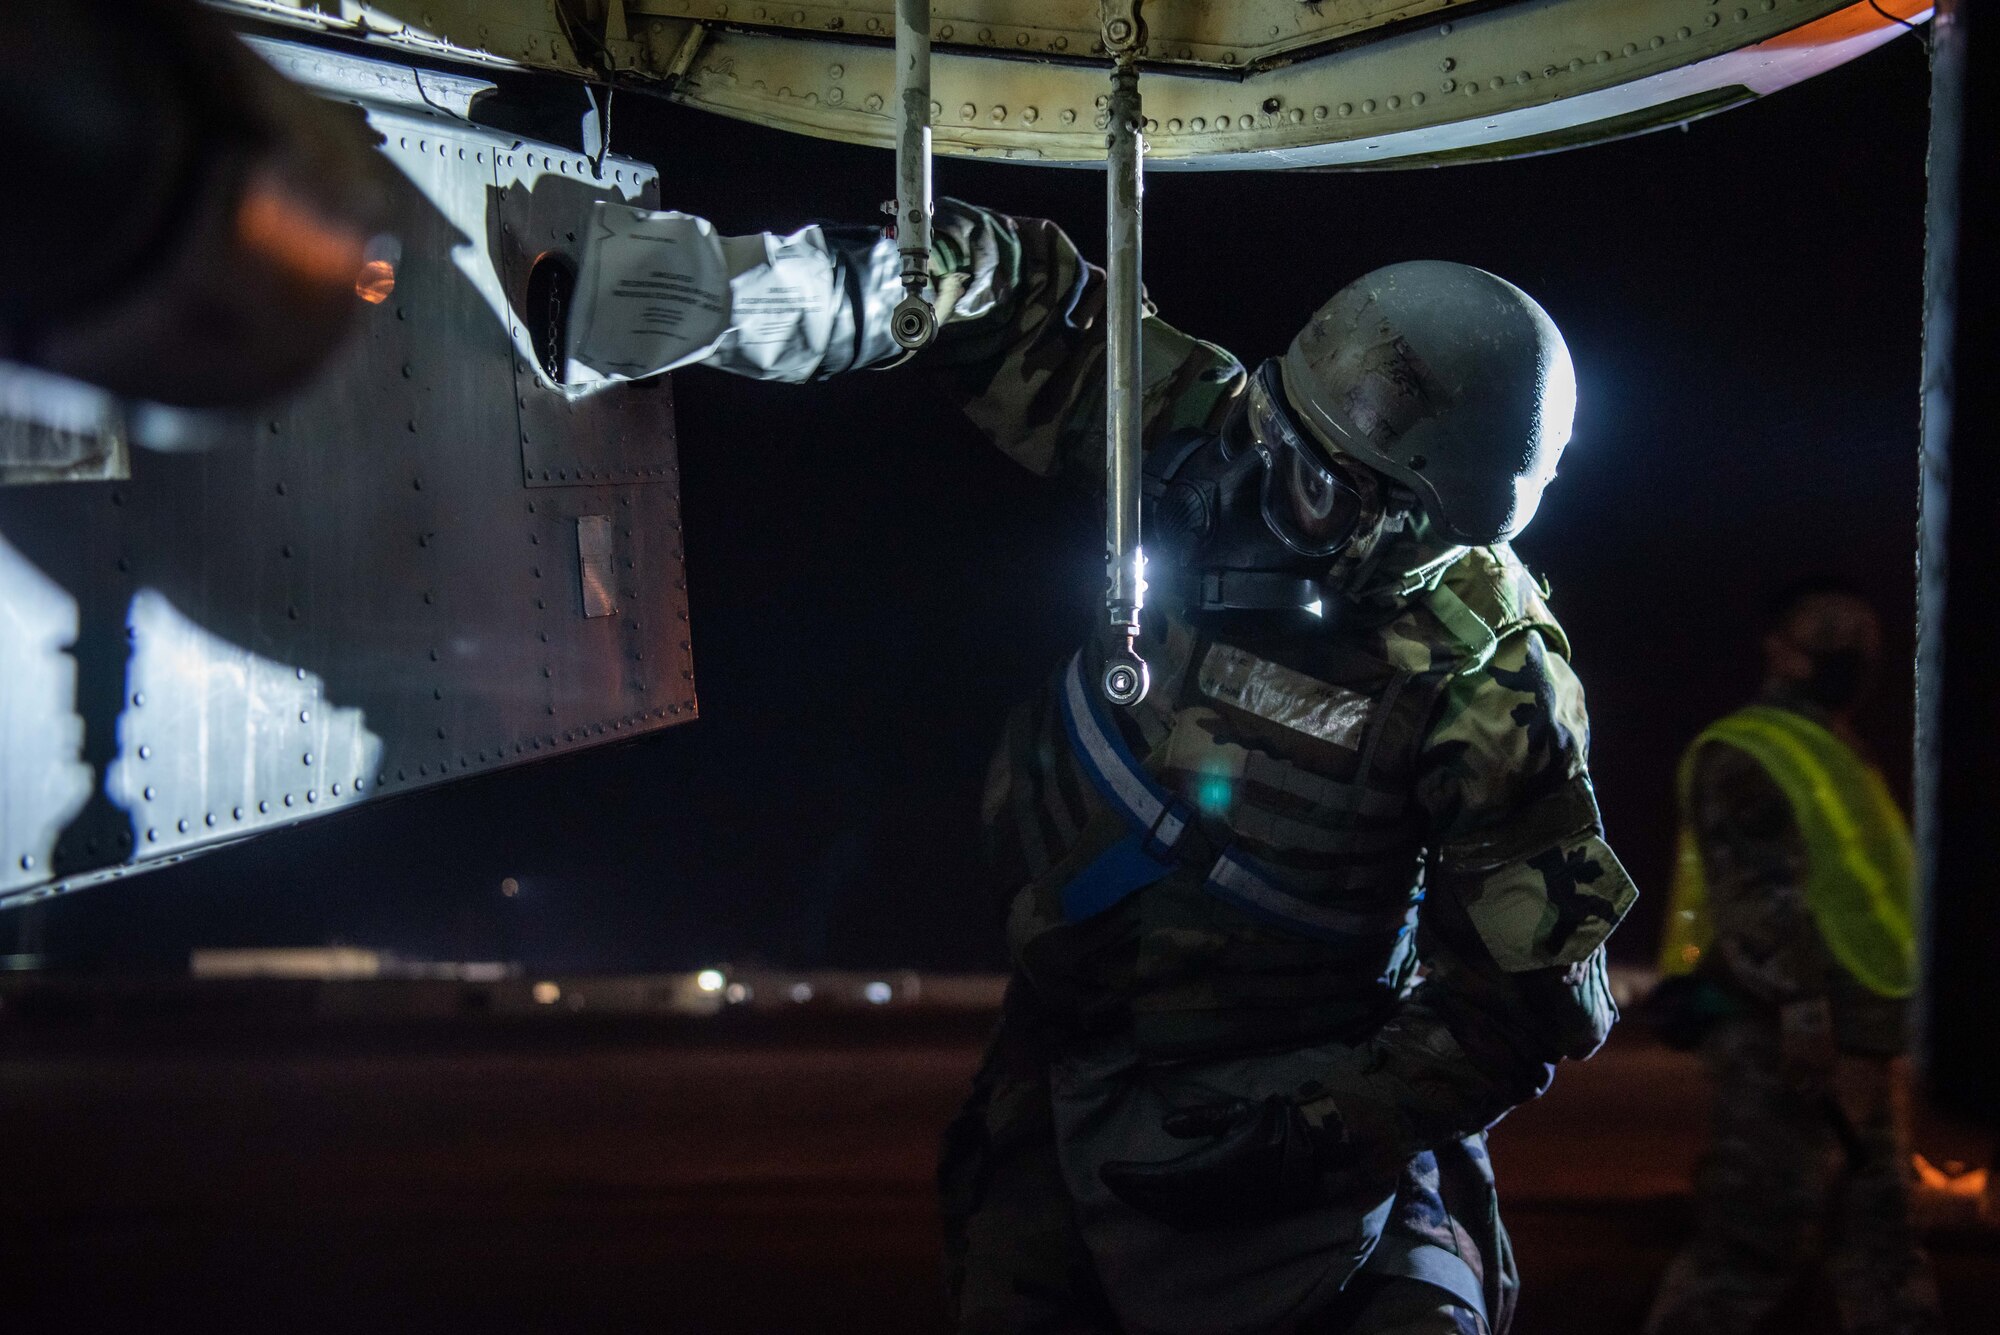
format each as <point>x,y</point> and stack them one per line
<point>1788,1180</point>
<point>1016,1263</point>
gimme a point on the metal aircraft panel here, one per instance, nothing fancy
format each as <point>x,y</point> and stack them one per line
<point>353,593</point>
<point>1235,84</point>
<point>566,437</point>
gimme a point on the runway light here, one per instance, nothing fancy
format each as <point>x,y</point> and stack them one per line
<point>802,992</point>
<point>736,994</point>
<point>709,980</point>
<point>877,993</point>
<point>547,994</point>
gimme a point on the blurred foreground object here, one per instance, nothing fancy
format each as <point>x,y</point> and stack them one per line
<point>185,225</point>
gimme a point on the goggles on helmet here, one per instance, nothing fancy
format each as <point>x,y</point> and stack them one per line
<point>1306,501</point>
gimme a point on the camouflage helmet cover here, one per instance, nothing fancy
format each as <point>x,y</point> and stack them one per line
<point>1446,378</point>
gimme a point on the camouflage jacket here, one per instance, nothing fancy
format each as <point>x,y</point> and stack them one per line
<point>1505,852</point>
<point>1768,951</point>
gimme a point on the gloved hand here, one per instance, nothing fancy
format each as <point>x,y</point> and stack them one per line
<point>966,262</point>
<point>1256,1161</point>
<point>660,291</point>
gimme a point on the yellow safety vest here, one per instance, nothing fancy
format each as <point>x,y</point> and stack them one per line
<point>1861,878</point>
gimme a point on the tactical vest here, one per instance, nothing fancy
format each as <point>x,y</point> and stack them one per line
<point>1860,882</point>
<point>1237,860</point>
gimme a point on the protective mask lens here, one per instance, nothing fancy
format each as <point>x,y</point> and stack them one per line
<point>1312,509</point>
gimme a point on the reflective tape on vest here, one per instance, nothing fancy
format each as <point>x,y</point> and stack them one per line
<point>1238,880</point>
<point>1113,770</point>
<point>1860,882</point>
<point>1159,820</point>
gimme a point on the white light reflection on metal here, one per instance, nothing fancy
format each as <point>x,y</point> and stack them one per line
<point>54,429</point>
<point>216,741</point>
<point>38,720</point>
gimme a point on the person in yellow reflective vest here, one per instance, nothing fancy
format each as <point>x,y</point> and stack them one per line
<point>1791,935</point>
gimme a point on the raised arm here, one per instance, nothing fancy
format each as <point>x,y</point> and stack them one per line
<point>1020,346</point>
<point>1024,354</point>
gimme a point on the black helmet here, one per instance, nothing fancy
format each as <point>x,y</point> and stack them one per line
<point>1445,378</point>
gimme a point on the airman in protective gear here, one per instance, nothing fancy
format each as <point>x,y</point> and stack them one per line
<point>1791,932</point>
<point>1295,929</point>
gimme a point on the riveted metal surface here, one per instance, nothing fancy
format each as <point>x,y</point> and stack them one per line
<point>510,32</point>
<point>583,435</point>
<point>1229,83</point>
<point>1222,33</point>
<point>1515,71</point>
<point>347,594</point>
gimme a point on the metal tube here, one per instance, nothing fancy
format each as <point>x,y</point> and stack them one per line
<point>914,321</point>
<point>1958,709</point>
<point>1125,675</point>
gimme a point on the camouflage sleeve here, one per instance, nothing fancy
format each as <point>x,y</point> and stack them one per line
<point>1022,348</point>
<point>1516,840</point>
<point>1521,892</point>
<point>1753,859</point>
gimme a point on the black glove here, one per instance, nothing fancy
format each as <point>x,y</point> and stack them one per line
<point>1261,1161</point>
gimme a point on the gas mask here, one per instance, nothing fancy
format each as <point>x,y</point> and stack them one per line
<point>1252,519</point>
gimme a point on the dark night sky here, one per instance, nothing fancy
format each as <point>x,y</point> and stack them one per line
<point>873,586</point>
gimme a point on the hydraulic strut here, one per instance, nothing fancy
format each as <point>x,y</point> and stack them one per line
<point>1125,677</point>
<point>914,322</point>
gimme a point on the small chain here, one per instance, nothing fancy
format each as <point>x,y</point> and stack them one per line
<point>554,368</point>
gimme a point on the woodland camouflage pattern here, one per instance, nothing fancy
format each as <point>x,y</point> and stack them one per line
<point>1427,747</point>
<point>1792,1174</point>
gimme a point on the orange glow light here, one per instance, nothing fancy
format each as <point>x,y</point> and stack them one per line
<point>375,282</point>
<point>1954,1179</point>
<point>294,238</point>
